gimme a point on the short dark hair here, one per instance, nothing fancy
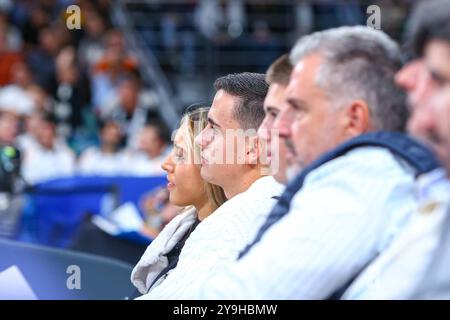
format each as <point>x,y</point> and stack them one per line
<point>49,117</point>
<point>251,89</point>
<point>279,71</point>
<point>161,129</point>
<point>429,20</point>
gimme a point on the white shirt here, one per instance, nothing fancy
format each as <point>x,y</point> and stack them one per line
<point>217,240</point>
<point>397,271</point>
<point>41,164</point>
<point>95,162</point>
<point>347,211</point>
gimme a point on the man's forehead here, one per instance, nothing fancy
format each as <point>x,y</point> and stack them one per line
<point>275,96</point>
<point>437,56</point>
<point>309,61</point>
<point>299,66</point>
<point>222,108</point>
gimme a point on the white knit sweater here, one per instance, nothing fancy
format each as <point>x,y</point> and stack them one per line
<point>212,246</point>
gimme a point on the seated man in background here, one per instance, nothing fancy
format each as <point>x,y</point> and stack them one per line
<point>354,192</point>
<point>233,164</point>
<point>108,159</point>
<point>277,77</point>
<point>152,148</point>
<point>50,158</point>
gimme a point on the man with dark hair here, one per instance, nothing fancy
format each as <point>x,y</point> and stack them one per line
<point>50,157</point>
<point>234,118</point>
<point>428,69</point>
<point>426,78</point>
<point>251,90</point>
<point>230,156</point>
<point>277,77</point>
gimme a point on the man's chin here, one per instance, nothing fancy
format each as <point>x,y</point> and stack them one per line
<point>291,172</point>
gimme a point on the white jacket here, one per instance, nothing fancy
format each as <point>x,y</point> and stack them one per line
<point>154,259</point>
<point>214,244</point>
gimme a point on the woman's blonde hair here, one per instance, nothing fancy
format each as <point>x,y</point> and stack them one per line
<point>194,120</point>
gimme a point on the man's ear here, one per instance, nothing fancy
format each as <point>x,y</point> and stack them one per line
<point>358,118</point>
<point>252,151</point>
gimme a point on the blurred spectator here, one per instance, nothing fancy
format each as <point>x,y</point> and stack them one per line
<point>15,99</point>
<point>106,159</point>
<point>91,47</point>
<point>28,139</point>
<point>393,20</point>
<point>9,126</point>
<point>72,94</point>
<point>304,18</point>
<point>131,108</point>
<point>34,16</point>
<point>111,69</point>
<point>8,57</point>
<point>11,199</point>
<point>21,75</point>
<point>13,35</point>
<point>42,60</point>
<point>43,102</point>
<point>220,21</point>
<point>49,158</point>
<point>152,149</point>
<point>330,14</point>
<point>263,41</point>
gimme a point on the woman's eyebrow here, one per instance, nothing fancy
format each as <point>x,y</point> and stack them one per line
<point>177,146</point>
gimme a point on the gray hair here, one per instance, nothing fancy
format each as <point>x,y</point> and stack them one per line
<point>359,63</point>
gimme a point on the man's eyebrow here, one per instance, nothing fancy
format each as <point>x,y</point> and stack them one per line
<point>295,103</point>
<point>212,122</point>
<point>272,109</point>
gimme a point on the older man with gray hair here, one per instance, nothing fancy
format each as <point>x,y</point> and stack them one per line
<point>356,186</point>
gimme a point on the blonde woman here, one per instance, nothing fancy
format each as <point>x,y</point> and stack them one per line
<point>187,189</point>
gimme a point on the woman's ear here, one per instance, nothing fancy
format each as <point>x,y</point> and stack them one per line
<point>358,118</point>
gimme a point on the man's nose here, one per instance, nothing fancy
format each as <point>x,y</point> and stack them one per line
<point>199,139</point>
<point>406,77</point>
<point>283,123</point>
<point>264,130</point>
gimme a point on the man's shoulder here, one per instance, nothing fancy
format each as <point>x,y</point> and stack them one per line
<point>265,189</point>
<point>363,162</point>
<point>362,173</point>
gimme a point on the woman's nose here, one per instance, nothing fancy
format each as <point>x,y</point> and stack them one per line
<point>168,164</point>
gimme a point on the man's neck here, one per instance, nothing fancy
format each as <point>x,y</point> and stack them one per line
<point>242,184</point>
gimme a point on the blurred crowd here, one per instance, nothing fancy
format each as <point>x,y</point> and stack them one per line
<point>220,36</point>
<point>73,101</point>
